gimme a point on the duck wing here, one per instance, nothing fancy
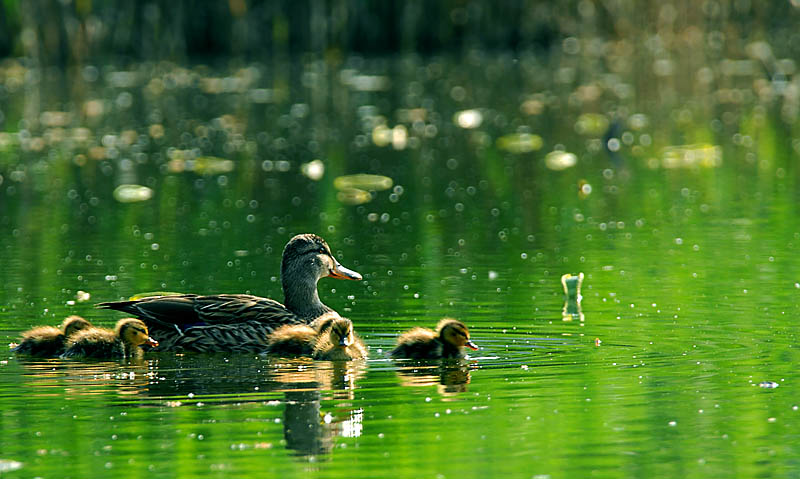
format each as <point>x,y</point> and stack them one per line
<point>245,336</point>
<point>185,311</point>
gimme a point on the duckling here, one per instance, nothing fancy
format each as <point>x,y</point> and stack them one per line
<point>422,343</point>
<point>101,343</point>
<point>331,338</point>
<point>337,341</point>
<point>292,340</point>
<point>48,341</point>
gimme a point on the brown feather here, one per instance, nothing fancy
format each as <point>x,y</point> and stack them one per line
<point>190,322</point>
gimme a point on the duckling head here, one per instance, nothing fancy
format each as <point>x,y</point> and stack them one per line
<point>455,333</point>
<point>341,332</point>
<point>73,324</point>
<point>308,257</point>
<point>134,332</point>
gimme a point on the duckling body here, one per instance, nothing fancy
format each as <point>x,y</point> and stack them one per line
<point>422,343</point>
<point>49,341</point>
<point>292,340</point>
<point>331,339</point>
<point>337,341</point>
<point>242,322</point>
<point>101,343</point>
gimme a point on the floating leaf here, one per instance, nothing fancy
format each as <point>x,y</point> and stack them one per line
<point>132,193</point>
<point>687,156</point>
<point>211,165</point>
<point>591,124</point>
<point>560,160</point>
<point>520,142</point>
<point>203,165</point>
<point>363,181</point>
<point>353,196</point>
<point>364,82</point>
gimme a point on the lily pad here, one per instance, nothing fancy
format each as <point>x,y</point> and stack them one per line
<point>353,196</point>
<point>132,193</point>
<point>560,160</point>
<point>363,182</point>
<point>520,142</point>
<point>688,156</point>
<point>591,124</point>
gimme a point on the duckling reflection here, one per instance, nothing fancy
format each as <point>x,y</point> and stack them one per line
<point>450,377</point>
<point>79,378</point>
<point>299,384</point>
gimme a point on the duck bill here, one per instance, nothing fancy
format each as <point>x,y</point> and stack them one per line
<point>151,342</point>
<point>345,341</point>
<point>472,346</point>
<point>340,272</point>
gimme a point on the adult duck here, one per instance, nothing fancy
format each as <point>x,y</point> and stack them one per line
<point>48,341</point>
<point>242,322</point>
<point>446,342</point>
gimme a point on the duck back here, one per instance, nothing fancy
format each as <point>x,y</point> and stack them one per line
<point>42,341</point>
<point>223,322</point>
<point>95,343</point>
<point>419,343</point>
<point>292,340</point>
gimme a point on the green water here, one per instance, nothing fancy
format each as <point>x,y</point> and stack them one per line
<point>687,235</point>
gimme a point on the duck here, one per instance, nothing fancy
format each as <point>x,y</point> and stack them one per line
<point>292,340</point>
<point>331,339</point>
<point>242,322</point>
<point>100,343</point>
<point>48,341</point>
<point>337,341</point>
<point>445,342</point>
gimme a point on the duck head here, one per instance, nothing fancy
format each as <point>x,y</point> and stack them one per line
<point>308,256</point>
<point>133,333</point>
<point>341,331</point>
<point>306,259</point>
<point>455,333</point>
<point>73,324</point>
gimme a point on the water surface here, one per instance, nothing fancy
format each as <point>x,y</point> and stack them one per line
<point>679,206</point>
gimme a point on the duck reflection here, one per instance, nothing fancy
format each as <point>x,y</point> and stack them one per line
<point>91,378</point>
<point>450,376</point>
<point>308,429</point>
<point>237,379</point>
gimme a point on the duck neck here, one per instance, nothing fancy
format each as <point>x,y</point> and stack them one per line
<point>449,350</point>
<point>301,296</point>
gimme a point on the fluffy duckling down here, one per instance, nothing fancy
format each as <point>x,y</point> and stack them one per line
<point>100,343</point>
<point>422,343</point>
<point>49,341</point>
<point>331,339</point>
<point>338,342</point>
